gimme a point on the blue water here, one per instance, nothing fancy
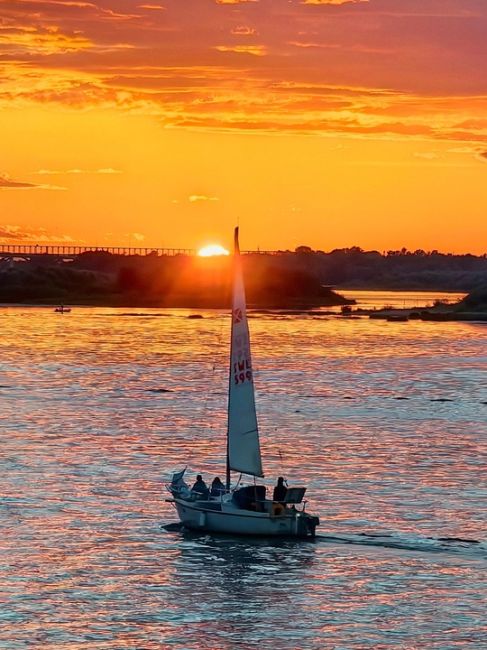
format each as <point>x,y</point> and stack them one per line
<point>385,422</point>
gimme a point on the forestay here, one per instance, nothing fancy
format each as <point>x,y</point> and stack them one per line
<point>243,436</point>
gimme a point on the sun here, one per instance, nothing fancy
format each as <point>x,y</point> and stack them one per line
<point>212,250</point>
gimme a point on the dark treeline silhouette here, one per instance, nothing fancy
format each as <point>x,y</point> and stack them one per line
<point>394,269</point>
<point>475,301</point>
<point>179,281</point>
<point>287,279</point>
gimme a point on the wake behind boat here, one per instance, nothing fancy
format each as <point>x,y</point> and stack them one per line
<point>245,510</point>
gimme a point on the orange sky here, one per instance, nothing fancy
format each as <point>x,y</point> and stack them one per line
<point>329,123</point>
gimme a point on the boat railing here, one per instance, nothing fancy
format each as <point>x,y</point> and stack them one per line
<point>276,508</point>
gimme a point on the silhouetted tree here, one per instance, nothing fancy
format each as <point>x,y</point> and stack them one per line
<point>128,279</point>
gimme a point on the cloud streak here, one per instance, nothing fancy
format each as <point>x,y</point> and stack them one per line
<point>15,234</point>
<point>7,183</point>
<point>57,172</point>
<point>202,198</point>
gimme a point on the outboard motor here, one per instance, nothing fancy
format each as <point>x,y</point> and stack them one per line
<point>311,523</point>
<point>306,525</point>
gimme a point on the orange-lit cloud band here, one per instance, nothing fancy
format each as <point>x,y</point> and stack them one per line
<point>378,68</point>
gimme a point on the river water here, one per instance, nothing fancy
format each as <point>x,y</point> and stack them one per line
<point>386,423</point>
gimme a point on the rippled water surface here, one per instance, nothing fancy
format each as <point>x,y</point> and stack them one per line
<point>385,422</point>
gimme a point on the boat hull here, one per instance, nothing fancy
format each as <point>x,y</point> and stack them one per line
<point>236,521</point>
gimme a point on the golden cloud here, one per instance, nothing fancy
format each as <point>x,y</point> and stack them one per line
<point>44,41</point>
<point>255,50</point>
<point>55,172</point>
<point>198,198</point>
<point>243,30</point>
<point>216,99</point>
<point>233,2</point>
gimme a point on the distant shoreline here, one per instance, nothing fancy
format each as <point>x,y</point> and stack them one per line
<point>292,305</point>
<point>303,280</point>
<point>442,312</point>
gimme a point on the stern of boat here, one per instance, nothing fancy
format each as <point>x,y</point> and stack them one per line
<point>306,525</point>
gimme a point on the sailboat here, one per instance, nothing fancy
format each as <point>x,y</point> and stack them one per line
<point>242,510</point>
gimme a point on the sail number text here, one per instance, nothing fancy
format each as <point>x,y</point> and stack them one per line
<point>242,371</point>
<point>241,363</point>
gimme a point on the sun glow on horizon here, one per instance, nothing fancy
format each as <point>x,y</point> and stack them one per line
<point>212,250</point>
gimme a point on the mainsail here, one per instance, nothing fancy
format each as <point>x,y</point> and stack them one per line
<point>243,435</point>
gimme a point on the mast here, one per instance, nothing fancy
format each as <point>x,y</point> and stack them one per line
<point>236,251</point>
<point>243,448</point>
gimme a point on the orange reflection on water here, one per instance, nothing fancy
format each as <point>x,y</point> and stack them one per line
<point>99,408</point>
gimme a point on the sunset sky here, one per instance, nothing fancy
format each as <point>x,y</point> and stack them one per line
<point>329,123</point>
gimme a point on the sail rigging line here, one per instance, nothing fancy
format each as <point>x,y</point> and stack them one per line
<point>228,477</point>
<point>238,482</point>
<point>214,369</point>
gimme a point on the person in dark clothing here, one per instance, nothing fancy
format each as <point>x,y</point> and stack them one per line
<point>200,487</point>
<point>280,490</point>
<point>217,488</point>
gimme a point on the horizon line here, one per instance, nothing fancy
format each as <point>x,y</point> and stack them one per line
<point>77,249</point>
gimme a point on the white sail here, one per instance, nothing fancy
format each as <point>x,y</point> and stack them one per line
<point>243,435</point>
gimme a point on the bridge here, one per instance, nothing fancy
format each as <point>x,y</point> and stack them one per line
<point>68,251</point>
<point>63,250</point>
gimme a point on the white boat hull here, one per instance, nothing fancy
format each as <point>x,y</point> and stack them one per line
<point>236,521</point>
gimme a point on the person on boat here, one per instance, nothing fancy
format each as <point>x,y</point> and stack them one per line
<point>280,491</point>
<point>217,487</point>
<point>200,487</point>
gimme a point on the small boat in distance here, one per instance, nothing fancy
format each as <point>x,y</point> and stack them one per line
<point>241,510</point>
<point>62,309</point>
